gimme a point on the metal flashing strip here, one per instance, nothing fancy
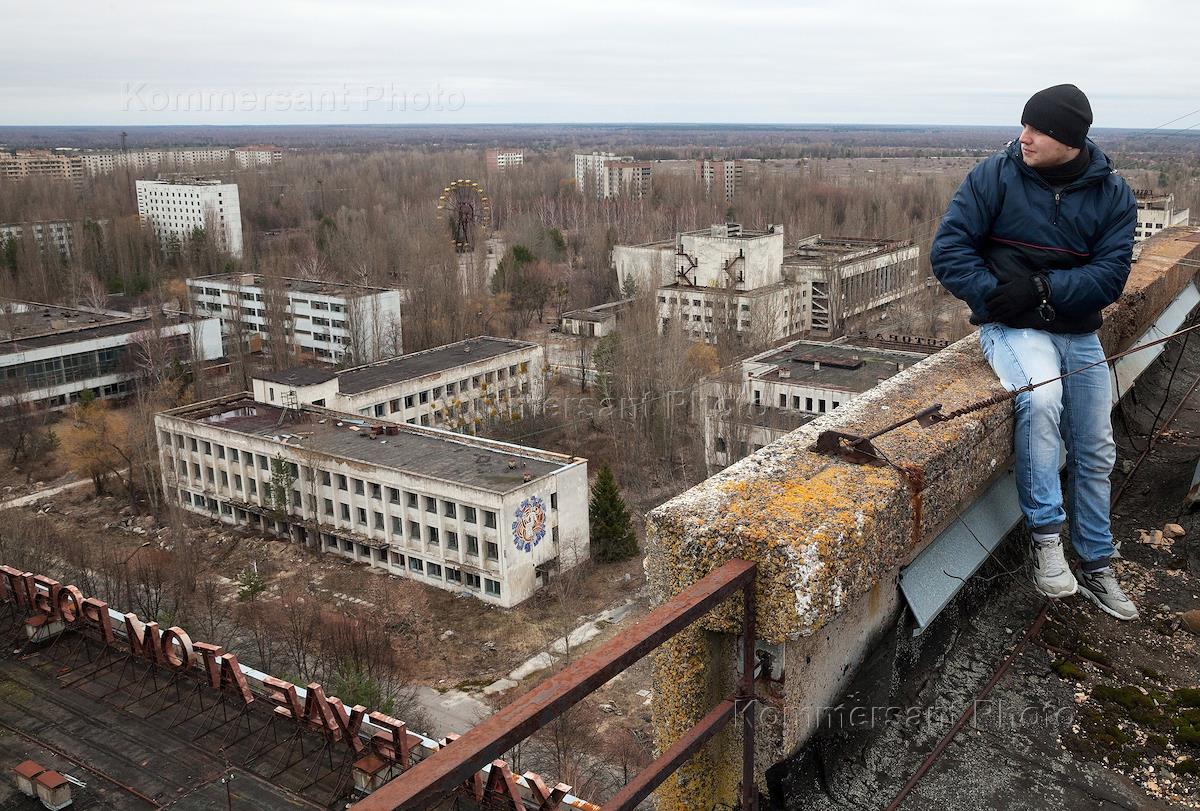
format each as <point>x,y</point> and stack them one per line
<point>1126,370</point>
<point>930,582</point>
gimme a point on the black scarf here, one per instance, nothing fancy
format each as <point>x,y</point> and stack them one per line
<point>1069,172</point>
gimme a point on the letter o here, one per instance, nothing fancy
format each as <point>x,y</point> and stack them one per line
<point>70,603</point>
<point>169,638</point>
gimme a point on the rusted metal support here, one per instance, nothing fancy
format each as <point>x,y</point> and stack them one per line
<point>651,777</point>
<point>422,786</point>
<point>746,701</point>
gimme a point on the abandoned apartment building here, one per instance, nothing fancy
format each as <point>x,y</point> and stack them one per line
<point>783,388</point>
<point>461,513</point>
<point>50,355</point>
<point>461,386</point>
<point>727,279</point>
<point>334,322</point>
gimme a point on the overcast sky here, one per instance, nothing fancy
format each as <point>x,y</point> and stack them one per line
<point>805,61</point>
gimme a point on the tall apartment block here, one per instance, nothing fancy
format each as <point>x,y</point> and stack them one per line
<point>746,284</point>
<point>1156,212</point>
<point>59,235</point>
<point>605,175</point>
<point>461,386</point>
<point>176,208</point>
<point>723,175</point>
<point>98,163</point>
<point>501,159</point>
<point>41,163</point>
<point>460,513</point>
<point>329,321</point>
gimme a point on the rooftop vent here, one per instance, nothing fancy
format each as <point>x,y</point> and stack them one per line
<point>785,373</point>
<point>527,477</point>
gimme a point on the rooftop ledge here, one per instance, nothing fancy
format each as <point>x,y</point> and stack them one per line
<point>830,536</point>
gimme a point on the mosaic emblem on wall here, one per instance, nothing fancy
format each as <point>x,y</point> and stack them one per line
<point>530,525</point>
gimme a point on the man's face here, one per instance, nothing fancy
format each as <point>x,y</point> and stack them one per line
<point>1041,151</point>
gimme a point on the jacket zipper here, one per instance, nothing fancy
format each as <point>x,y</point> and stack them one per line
<point>1057,199</point>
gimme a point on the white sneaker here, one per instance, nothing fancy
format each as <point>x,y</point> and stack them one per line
<point>1051,574</point>
<point>1103,589</point>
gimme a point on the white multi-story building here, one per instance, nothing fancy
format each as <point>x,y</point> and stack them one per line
<point>41,163</point>
<point>605,175</point>
<point>257,155</point>
<point>460,513</point>
<point>462,386</point>
<point>724,175</point>
<point>781,389</point>
<point>176,209</point>
<point>501,159</point>
<point>747,284</point>
<point>331,321</point>
<point>50,355</point>
<point>1156,212</point>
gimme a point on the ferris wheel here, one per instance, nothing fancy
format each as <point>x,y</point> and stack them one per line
<point>467,211</point>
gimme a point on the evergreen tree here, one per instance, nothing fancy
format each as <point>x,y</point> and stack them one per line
<point>612,533</point>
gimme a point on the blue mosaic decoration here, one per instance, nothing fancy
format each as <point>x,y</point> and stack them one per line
<point>529,526</point>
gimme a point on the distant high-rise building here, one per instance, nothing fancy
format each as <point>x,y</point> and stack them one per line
<point>500,159</point>
<point>60,234</point>
<point>605,175</point>
<point>178,208</point>
<point>257,155</point>
<point>723,174</point>
<point>40,163</point>
<point>1156,212</point>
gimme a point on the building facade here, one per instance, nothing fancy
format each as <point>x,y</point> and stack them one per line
<point>100,163</point>
<point>459,513</point>
<point>605,175</point>
<point>500,159</point>
<point>59,236</point>
<point>464,386</point>
<point>329,321</point>
<point>176,209</point>
<point>51,355</point>
<point>257,155</point>
<point>723,175</point>
<point>779,390</point>
<point>29,163</point>
<point>594,322</point>
<point>749,286</point>
<point>1156,212</point>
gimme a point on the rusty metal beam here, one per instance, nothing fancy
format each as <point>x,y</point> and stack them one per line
<point>649,778</point>
<point>423,785</point>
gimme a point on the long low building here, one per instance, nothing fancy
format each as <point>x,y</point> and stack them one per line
<point>460,386</point>
<point>452,511</point>
<point>51,355</point>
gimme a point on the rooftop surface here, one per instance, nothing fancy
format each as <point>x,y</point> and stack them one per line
<point>319,287</point>
<point>298,376</point>
<point>41,325</point>
<point>418,364</point>
<point>843,367</point>
<point>444,455</point>
<point>840,249</point>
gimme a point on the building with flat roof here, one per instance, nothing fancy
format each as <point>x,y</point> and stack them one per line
<point>335,322</point>
<point>723,175</point>
<point>257,155</point>
<point>28,163</point>
<point>1156,211</point>
<point>452,511</point>
<point>605,174</point>
<point>462,386</point>
<point>779,390</point>
<point>56,234</point>
<point>176,209</point>
<point>50,355</point>
<point>749,286</point>
<point>593,322</point>
<point>500,159</point>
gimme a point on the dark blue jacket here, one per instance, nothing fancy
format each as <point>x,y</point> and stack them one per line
<point>1006,221</point>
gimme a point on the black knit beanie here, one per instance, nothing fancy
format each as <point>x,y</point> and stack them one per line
<point>1062,112</point>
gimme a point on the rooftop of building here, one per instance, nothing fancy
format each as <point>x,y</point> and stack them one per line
<point>26,325</point>
<point>427,362</point>
<point>290,283</point>
<point>600,312</point>
<point>186,181</point>
<point>481,464</point>
<point>833,366</point>
<point>734,230</point>
<point>298,376</point>
<point>820,250</point>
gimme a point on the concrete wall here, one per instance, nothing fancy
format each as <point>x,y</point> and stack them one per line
<point>829,535</point>
<point>762,264</point>
<point>650,266</point>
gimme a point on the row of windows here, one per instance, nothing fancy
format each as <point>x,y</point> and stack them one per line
<point>708,305</point>
<point>820,403</point>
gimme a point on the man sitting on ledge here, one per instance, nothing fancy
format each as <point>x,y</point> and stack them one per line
<point>1037,241</point>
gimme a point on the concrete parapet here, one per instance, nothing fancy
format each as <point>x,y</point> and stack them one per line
<point>830,536</point>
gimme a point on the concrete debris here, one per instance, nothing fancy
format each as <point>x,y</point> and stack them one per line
<point>1191,621</point>
<point>447,634</point>
<point>1173,531</point>
<point>489,645</point>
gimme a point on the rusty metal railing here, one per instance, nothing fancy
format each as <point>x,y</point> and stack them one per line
<point>440,774</point>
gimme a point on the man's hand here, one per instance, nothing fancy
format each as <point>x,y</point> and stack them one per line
<point>1015,301</point>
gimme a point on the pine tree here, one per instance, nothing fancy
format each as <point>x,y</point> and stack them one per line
<point>612,533</point>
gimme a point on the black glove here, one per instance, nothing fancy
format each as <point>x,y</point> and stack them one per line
<point>1015,301</point>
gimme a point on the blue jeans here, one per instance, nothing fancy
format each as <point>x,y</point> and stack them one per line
<point>1076,410</point>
